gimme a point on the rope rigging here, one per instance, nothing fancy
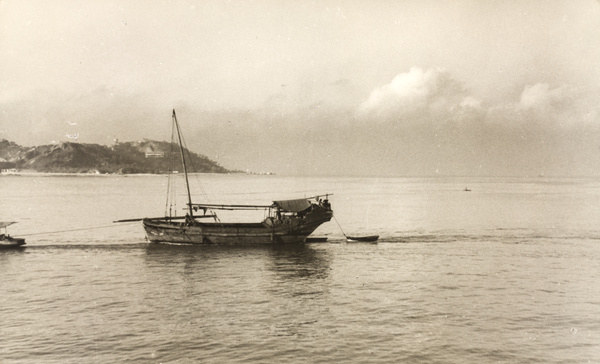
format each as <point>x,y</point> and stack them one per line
<point>79,229</point>
<point>178,142</point>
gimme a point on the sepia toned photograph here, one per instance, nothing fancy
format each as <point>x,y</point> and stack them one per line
<point>299,181</point>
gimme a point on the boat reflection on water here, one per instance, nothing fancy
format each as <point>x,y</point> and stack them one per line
<point>241,292</point>
<point>299,261</point>
<point>286,262</point>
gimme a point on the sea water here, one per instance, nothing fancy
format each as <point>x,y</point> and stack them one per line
<point>505,272</point>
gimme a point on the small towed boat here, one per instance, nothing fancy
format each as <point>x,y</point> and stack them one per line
<point>350,238</point>
<point>7,241</point>
<point>315,240</point>
<point>369,238</point>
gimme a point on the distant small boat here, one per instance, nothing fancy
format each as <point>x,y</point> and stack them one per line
<point>467,189</point>
<point>368,238</point>
<point>7,241</point>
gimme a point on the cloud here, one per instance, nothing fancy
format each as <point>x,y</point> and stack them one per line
<point>416,95</point>
<point>435,97</point>
<point>470,102</point>
<point>564,105</point>
<point>98,116</point>
<point>541,95</point>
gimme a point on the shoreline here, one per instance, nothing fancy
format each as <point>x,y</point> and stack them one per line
<point>32,173</point>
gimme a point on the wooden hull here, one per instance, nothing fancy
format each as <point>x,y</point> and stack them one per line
<point>292,231</point>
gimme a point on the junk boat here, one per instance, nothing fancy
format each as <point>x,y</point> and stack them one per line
<point>7,241</point>
<point>286,222</point>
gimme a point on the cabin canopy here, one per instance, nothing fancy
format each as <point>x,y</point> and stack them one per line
<point>293,205</point>
<point>284,205</point>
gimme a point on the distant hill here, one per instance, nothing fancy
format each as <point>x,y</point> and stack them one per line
<point>147,156</point>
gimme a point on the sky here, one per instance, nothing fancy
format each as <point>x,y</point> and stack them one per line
<point>343,88</point>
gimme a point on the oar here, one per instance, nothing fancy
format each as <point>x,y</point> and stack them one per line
<point>163,217</point>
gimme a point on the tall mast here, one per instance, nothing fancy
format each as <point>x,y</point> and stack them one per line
<point>187,183</point>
